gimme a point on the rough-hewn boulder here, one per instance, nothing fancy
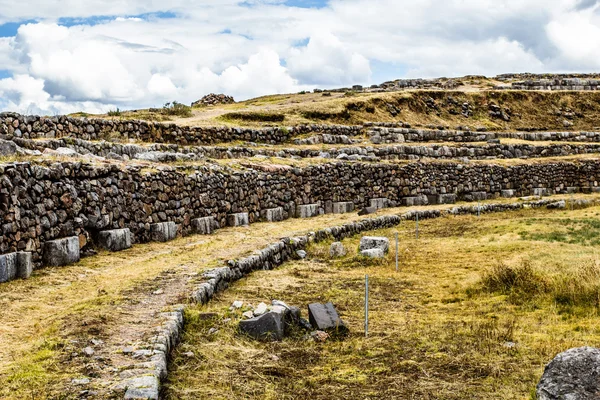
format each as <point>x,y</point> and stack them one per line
<point>115,239</point>
<point>572,375</point>
<point>324,317</point>
<point>374,242</point>
<point>163,231</point>
<point>269,326</point>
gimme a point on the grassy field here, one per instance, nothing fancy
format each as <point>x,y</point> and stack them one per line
<point>527,110</point>
<point>478,307</point>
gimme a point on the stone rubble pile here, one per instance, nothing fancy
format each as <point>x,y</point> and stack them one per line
<point>213,99</point>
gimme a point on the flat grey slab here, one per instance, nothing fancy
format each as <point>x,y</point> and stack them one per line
<point>373,253</point>
<point>24,264</point>
<point>115,240</point>
<point>61,252</point>
<point>205,225</point>
<point>324,317</point>
<point>380,203</point>
<point>163,231</point>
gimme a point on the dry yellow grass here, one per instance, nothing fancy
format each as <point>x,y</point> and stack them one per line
<point>435,332</point>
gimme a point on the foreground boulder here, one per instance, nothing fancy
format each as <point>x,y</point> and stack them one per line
<point>337,249</point>
<point>61,251</point>
<point>324,317</point>
<point>572,375</point>
<point>367,211</point>
<point>374,242</point>
<point>267,327</point>
<point>115,240</point>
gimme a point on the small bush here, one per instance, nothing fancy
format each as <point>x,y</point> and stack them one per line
<point>177,109</point>
<point>521,279</point>
<point>115,113</point>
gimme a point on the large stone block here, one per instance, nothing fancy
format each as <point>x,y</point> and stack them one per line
<point>508,193</point>
<point>374,242</point>
<point>446,198</point>
<point>24,264</point>
<point>239,219</point>
<point>324,317</point>
<point>380,203</point>
<point>163,231</point>
<point>415,201</point>
<point>115,240</point>
<point>479,196</point>
<point>373,253</point>
<point>307,211</point>
<point>343,207</point>
<point>8,267</point>
<point>268,327</point>
<point>61,251</point>
<point>273,214</point>
<point>205,226</point>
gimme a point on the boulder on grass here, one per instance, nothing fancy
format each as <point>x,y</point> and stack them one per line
<point>374,242</point>
<point>163,231</point>
<point>204,226</point>
<point>337,249</point>
<point>573,374</point>
<point>373,253</point>
<point>267,327</point>
<point>8,267</point>
<point>324,317</point>
<point>367,211</point>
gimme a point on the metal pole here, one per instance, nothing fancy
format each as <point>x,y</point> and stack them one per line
<point>417,229</point>
<point>396,251</point>
<point>366,305</point>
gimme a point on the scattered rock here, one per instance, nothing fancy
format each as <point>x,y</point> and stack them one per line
<point>97,342</point>
<point>319,336</point>
<point>237,304</point>
<point>571,375</point>
<point>301,253</point>
<point>374,242</point>
<point>248,314</point>
<point>367,211</point>
<point>324,317</point>
<point>267,327</point>
<point>127,350</point>
<point>189,354</point>
<point>337,249</point>
<point>373,253</point>
<point>260,309</point>
<point>81,382</point>
<point>158,292</point>
<point>213,331</point>
<point>88,351</point>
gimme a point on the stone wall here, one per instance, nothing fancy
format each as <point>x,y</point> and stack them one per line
<point>171,152</point>
<point>33,127</point>
<point>44,202</point>
<point>554,84</point>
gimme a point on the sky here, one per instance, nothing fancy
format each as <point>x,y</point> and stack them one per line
<point>63,56</point>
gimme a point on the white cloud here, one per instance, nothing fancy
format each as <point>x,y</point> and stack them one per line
<point>132,60</point>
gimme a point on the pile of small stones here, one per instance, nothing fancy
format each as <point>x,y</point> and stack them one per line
<point>213,99</point>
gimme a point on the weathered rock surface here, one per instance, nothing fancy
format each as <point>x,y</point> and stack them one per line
<point>379,203</point>
<point>61,252</point>
<point>367,211</point>
<point>308,211</point>
<point>343,207</point>
<point>239,219</point>
<point>115,239</point>
<point>373,253</point>
<point>324,317</point>
<point>273,214</point>
<point>374,242</point>
<point>268,327</point>
<point>574,374</point>
<point>163,231</point>
<point>337,249</point>
<point>204,226</point>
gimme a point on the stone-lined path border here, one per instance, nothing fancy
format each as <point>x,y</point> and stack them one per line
<point>145,380</point>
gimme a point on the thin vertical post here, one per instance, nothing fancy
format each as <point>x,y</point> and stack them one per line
<point>417,228</point>
<point>366,305</point>
<point>572,202</point>
<point>396,251</point>
<point>478,208</point>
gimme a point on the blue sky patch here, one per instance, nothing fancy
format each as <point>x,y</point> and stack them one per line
<point>306,3</point>
<point>10,28</point>
<point>102,19</point>
<point>386,71</point>
<point>5,74</point>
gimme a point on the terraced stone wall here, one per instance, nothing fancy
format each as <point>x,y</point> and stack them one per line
<point>40,203</point>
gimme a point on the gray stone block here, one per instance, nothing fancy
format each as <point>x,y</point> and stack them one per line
<point>447,198</point>
<point>415,201</point>
<point>374,242</point>
<point>115,240</point>
<point>572,189</point>
<point>373,253</point>
<point>239,219</point>
<point>273,214</point>
<point>539,192</point>
<point>479,195</point>
<point>268,327</point>
<point>24,265</point>
<point>61,251</point>
<point>507,193</point>
<point>8,267</point>
<point>337,249</point>
<point>307,210</point>
<point>204,226</point>
<point>324,317</point>
<point>433,199</point>
<point>343,207</point>
<point>380,203</point>
<point>367,211</point>
<point>163,231</point>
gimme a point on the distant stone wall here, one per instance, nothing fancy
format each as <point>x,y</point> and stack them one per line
<point>402,135</point>
<point>45,202</point>
<point>554,84</point>
<point>171,153</point>
<point>33,127</point>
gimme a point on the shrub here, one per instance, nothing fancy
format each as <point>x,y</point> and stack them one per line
<point>178,109</point>
<point>114,113</point>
